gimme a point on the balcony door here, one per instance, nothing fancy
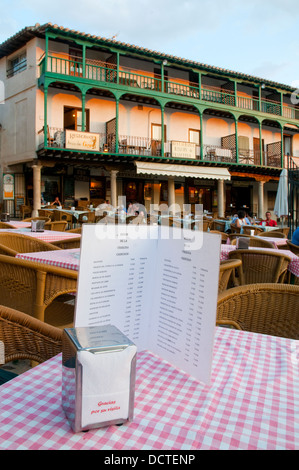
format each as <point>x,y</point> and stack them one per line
<point>73,119</point>
<point>287,144</point>
<point>256,150</point>
<point>76,62</point>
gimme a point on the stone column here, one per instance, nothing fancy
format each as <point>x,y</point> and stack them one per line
<point>113,188</point>
<point>36,189</point>
<point>220,198</point>
<point>171,192</point>
<point>260,209</point>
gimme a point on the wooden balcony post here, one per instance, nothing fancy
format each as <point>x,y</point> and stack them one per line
<point>261,141</point>
<point>237,140</point>
<point>201,135</point>
<point>162,130</point>
<point>83,99</point>
<point>45,116</point>
<point>84,60</point>
<point>282,147</point>
<point>116,123</point>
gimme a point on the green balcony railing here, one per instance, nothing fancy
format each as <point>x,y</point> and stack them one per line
<point>100,71</point>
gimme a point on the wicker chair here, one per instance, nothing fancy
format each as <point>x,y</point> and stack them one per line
<point>270,309</point>
<point>224,236</point>
<point>234,228</point>
<point>6,225</point>
<point>58,226</point>
<point>87,217</point>
<point>46,213</point>
<point>37,289</point>
<point>260,266</point>
<point>219,225</point>
<point>284,230</point>
<point>61,216</point>
<point>233,236</point>
<point>29,219</point>
<point>13,243</point>
<point>273,234</point>
<point>68,243</point>
<point>247,230</point>
<point>255,242</point>
<point>25,337</point>
<point>25,210</point>
<point>75,230</point>
<point>226,270</point>
<point>292,247</point>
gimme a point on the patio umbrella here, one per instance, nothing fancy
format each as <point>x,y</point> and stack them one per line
<point>281,201</point>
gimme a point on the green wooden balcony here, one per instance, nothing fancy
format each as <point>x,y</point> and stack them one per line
<point>145,147</point>
<point>95,71</point>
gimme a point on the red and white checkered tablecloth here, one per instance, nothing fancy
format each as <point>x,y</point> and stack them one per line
<point>252,403</point>
<point>46,236</point>
<point>20,224</point>
<point>293,266</point>
<point>276,241</point>
<point>68,259</point>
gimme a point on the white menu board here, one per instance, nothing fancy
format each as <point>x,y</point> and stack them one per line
<point>159,287</point>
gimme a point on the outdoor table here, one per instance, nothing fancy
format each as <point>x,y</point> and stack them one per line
<point>75,213</point>
<point>276,241</point>
<point>20,224</point>
<point>46,236</point>
<point>68,259</point>
<point>250,403</point>
<point>293,265</point>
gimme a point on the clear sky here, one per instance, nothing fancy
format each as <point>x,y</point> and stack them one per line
<point>256,37</point>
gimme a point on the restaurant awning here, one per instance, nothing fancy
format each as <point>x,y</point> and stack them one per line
<point>165,169</point>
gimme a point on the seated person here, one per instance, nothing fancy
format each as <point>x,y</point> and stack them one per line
<point>241,219</point>
<point>56,202</point>
<point>269,221</point>
<point>295,237</point>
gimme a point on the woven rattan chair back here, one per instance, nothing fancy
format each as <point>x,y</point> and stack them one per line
<point>292,247</point>
<point>45,218</point>
<point>6,225</point>
<point>34,288</point>
<point>248,228</point>
<point>224,236</point>
<point>226,272</point>
<point>68,243</point>
<point>255,242</point>
<point>219,225</point>
<point>234,228</point>
<point>13,243</point>
<point>273,234</point>
<point>25,337</point>
<point>58,225</point>
<point>87,217</point>
<point>270,309</point>
<point>260,266</point>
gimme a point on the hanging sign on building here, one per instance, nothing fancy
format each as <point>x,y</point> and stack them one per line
<point>183,150</point>
<point>82,140</point>
<point>8,186</point>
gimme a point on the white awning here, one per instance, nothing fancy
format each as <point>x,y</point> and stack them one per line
<point>187,171</point>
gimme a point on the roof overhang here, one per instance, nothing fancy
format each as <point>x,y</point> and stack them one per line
<point>187,171</point>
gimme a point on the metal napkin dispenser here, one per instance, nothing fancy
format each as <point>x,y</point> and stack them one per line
<point>37,225</point>
<point>98,377</point>
<point>5,217</point>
